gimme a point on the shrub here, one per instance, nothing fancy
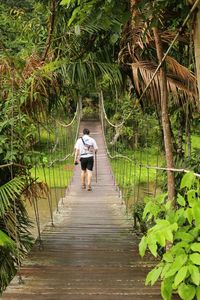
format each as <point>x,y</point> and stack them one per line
<point>176,231</point>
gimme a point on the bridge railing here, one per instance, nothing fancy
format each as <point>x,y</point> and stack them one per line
<point>52,162</point>
<point>140,172</point>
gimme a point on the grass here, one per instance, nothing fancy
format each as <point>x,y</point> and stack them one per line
<point>130,173</point>
<point>57,176</point>
<point>127,173</point>
<point>134,179</point>
<point>54,144</point>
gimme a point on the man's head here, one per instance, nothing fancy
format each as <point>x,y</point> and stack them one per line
<point>86,131</point>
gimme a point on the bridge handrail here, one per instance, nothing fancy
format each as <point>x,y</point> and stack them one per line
<point>76,116</point>
<point>149,166</point>
<point>72,121</point>
<point>128,158</point>
<point>106,117</point>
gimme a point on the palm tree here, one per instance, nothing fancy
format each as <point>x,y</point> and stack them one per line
<point>141,51</point>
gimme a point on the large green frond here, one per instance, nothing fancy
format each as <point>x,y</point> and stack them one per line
<point>9,191</point>
<point>6,241</point>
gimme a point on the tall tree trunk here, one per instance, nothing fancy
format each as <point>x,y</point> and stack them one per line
<point>51,24</point>
<point>165,117</point>
<point>197,46</point>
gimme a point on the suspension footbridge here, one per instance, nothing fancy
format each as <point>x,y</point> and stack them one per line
<point>89,247</point>
<point>90,252</point>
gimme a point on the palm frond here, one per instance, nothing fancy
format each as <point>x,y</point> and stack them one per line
<point>10,191</point>
<point>89,70</point>
<point>6,241</point>
<point>182,72</point>
<point>181,82</point>
<point>7,266</point>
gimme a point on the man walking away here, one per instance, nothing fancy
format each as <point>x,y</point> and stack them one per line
<point>85,148</point>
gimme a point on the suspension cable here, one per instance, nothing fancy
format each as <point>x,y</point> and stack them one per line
<point>76,117</point>
<point>133,160</point>
<point>72,121</point>
<point>106,117</point>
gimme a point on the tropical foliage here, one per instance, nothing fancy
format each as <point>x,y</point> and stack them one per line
<point>15,239</point>
<point>175,238</point>
<point>51,52</point>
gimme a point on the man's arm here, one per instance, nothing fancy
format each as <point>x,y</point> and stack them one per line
<point>76,152</point>
<point>76,156</point>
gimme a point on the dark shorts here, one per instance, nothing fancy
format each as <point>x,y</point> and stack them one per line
<point>87,163</point>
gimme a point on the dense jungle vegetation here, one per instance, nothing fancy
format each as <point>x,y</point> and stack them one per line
<point>54,52</point>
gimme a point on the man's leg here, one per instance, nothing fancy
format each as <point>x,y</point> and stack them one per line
<point>83,178</point>
<point>89,179</point>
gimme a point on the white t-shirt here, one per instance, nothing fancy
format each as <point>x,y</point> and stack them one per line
<point>87,149</point>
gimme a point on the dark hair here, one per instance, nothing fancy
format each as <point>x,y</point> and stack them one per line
<point>86,131</point>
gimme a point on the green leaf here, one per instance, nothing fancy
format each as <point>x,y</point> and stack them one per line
<point>184,236</point>
<point>168,235</point>
<point>191,196</point>
<point>114,38</point>
<point>180,215</point>
<point>143,246</point>
<point>196,213</point>
<point>179,261</point>
<point>186,292</point>
<point>195,247</point>
<point>195,258</point>
<point>180,276</point>
<point>152,209</point>
<point>195,275</point>
<point>153,248</point>
<point>198,293</point>
<point>67,2</point>
<point>168,257</point>
<point>45,160</point>
<point>166,268</point>
<point>76,11</point>
<point>194,232</point>
<point>168,205</point>
<point>77,30</point>
<point>180,246</point>
<point>153,275</point>
<point>10,191</point>
<point>147,209</point>
<point>189,215</point>
<point>6,241</point>
<point>160,198</point>
<point>160,237</point>
<point>162,223</point>
<point>181,200</point>
<point>166,288</point>
<point>187,180</point>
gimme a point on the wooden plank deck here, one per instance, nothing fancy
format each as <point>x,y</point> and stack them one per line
<point>91,252</point>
